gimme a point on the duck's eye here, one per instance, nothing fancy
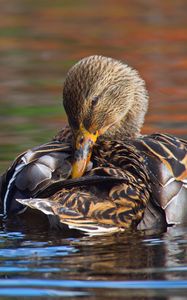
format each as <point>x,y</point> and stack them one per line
<point>95,100</point>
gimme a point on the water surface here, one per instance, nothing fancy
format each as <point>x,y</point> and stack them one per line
<point>121,266</point>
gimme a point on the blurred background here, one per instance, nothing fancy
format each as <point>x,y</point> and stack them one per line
<point>40,40</point>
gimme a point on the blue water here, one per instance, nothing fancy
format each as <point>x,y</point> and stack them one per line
<point>137,265</point>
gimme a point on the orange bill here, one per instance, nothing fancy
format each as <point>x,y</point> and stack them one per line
<point>83,150</point>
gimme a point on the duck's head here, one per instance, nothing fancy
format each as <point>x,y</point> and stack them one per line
<point>102,97</point>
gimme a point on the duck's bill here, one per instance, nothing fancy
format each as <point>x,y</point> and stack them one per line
<point>84,144</point>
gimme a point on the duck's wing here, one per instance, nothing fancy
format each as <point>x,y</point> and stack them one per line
<point>166,160</point>
<point>33,170</point>
<point>79,210</point>
<point>101,206</point>
<point>87,212</point>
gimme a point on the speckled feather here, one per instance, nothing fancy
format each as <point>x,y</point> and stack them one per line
<point>101,207</point>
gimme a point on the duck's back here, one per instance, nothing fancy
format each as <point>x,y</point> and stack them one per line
<point>165,158</point>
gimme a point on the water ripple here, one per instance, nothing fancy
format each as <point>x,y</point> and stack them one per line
<point>136,284</point>
<point>41,252</point>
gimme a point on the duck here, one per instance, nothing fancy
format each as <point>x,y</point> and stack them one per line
<point>100,174</point>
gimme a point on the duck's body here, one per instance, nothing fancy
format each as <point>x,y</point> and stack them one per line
<point>134,181</point>
<point>133,184</point>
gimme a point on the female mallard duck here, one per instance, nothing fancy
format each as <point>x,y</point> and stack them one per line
<point>127,179</point>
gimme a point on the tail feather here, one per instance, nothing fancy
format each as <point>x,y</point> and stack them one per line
<point>43,205</point>
<point>73,219</point>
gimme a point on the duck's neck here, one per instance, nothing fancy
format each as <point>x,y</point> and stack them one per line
<point>130,125</point>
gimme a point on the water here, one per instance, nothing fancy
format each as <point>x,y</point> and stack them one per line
<point>39,42</point>
<point>47,263</point>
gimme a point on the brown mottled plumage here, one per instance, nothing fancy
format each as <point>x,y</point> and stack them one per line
<point>111,198</point>
<point>132,180</point>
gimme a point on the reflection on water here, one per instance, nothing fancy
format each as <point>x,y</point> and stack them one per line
<point>128,265</point>
<point>39,42</point>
